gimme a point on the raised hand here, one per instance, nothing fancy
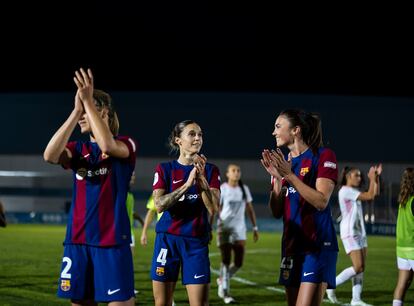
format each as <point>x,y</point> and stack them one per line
<point>191,178</point>
<point>84,82</point>
<point>283,166</point>
<point>378,169</point>
<point>78,104</point>
<point>268,162</point>
<point>372,173</point>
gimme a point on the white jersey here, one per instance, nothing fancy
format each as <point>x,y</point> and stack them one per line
<point>233,206</point>
<point>352,223</point>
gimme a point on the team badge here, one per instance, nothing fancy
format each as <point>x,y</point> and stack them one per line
<point>285,274</point>
<point>303,171</point>
<point>160,271</point>
<point>65,285</point>
<point>81,173</point>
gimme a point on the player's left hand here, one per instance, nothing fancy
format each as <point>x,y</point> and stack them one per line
<point>283,166</point>
<point>255,236</point>
<point>84,82</point>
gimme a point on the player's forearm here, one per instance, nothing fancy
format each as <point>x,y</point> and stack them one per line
<point>251,214</point>
<point>210,201</point>
<point>314,197</point>
<point>166,201</point>
<point>58,142</point>
<point>100,130</point>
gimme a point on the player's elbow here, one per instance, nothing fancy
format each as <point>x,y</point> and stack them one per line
<point>50,158</point>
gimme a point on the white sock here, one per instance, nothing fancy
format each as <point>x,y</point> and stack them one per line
<point>233,269</point>
<point>345,275</point>
<point>397,303</point>
<point>357,286</point>
<point>225,279</point>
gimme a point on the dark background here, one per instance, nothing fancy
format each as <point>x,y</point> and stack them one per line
<point>231,66</point>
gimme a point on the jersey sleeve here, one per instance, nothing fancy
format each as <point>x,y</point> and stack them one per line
<point>249,197</point>
<point>350,193</point>
<point>71,146</point>
<point>132,147</point>
<point>215,178</point>
<point>327,167</point>
<point>159,179</point>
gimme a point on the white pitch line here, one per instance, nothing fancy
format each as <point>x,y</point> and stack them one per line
<point>250,283</point>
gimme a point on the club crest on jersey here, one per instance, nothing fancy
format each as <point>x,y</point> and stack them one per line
<point>303,171</point>
<point>65,284</point>
<point>160,271</point>
<point>286,274</point>
<point>81,173</point>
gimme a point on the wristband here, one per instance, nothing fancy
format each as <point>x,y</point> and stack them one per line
<point>255,228</point>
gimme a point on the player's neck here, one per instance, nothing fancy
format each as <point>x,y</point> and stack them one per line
<point>186,159</point>
<point>233,183</point>
<point>298,148</point>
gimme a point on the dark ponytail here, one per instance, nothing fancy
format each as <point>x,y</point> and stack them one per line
<point>310,125</point>
<point>243,190</point>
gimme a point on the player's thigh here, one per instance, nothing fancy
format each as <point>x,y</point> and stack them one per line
<point>198,294</point>
<point>163,292</point>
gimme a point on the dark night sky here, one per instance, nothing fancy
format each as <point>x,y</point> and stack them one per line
<point>208,47</point>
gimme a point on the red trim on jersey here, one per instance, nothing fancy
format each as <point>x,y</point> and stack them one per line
<point>79,213</point>
<point>106,210</point>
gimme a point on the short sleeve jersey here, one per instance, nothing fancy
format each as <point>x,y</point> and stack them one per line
<point>306,229</point>
<point>233,206</point>
<point>352,222</point>
<point>98,214</point>
<point>189,216</point>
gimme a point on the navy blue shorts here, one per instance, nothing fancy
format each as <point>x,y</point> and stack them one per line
<point>172,252</point>
<point>320,268</point>
<point>100,274</point>
<point>291,271</point>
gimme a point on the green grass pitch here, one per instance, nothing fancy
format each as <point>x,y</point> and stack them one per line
<point>30,257</point>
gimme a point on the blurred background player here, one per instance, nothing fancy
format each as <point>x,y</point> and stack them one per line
<point>187,190</point>
<point>97,262</point>
<point>235,201</point>
<point>151,211</point>
<point>302,184</point>
<point>130,204</point>
<point>352,227</point>
<point>3,222</point>
<point>405,237</point>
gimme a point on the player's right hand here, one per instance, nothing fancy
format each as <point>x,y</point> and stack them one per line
<point>143,239</point>
<point>78,104</point>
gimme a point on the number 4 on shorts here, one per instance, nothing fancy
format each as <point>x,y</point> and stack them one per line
<point>162,256</point>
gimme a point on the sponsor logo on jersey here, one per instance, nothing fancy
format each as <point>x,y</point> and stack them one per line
<point>329,164</point>
<point>191,196</point>
<point>160,271</point>
<point>291,190</point>
<point>303,171</point>
<point>81,173</point>
<point>65,284</point>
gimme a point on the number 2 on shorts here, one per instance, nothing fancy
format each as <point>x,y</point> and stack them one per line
<point>65,271</point>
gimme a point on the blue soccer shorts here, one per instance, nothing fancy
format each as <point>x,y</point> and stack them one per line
<point>172,252</point>
<point>320,267</point>
<point>96,273</point>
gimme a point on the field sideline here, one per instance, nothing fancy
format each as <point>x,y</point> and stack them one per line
<point>30,258</point>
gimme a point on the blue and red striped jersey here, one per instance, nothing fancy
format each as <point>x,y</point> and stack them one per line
<point>98,214</point>
<point>189,216</point>
<point>306,229</point>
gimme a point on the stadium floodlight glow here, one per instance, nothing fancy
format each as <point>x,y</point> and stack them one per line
<point>25,174</point>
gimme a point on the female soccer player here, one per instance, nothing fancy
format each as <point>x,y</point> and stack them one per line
<point>352,227</point>
<point>186,190</point>
<point>405,237</point>
<point>302,185</point>
<point>231,227</point>
<point>97,262</point>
